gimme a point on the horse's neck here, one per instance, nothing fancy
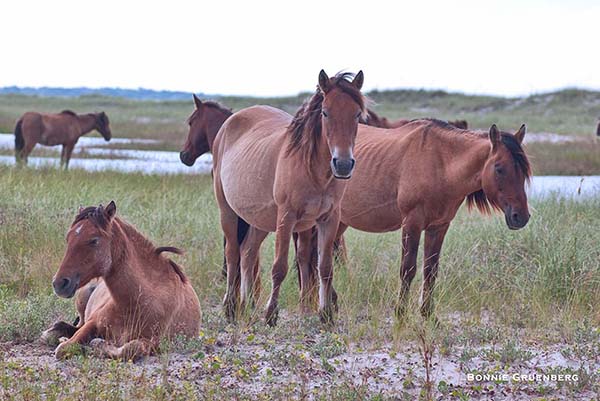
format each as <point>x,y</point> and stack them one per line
<point>87,122</point>
<point>319,166</point>
<point>467,155</point>
<point>215,126</point>
<point>126,281</point>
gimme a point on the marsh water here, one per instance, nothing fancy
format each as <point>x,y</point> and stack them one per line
<point>99,157</point>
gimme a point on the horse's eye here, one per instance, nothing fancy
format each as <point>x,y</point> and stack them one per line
<point>93,242</point>
<point>325,113</point>
<point>499,170</point>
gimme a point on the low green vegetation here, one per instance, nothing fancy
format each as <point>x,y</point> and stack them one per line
<point>542,282</point>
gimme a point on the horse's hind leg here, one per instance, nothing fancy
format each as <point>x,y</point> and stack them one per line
<point>434,239</point>
<point>130,351</point>
<point>24,154</point>
<point>250,276</point>
<point>58,330</point>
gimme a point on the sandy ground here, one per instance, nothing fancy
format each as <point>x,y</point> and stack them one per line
<point>306,364</point>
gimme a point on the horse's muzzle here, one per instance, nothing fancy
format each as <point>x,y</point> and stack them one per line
<point>342,168</point>
<point>186,158</point>
<point>65,287</point>
<point>516,219</point>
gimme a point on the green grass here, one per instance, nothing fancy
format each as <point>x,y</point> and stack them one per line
<point>569,112</point>
<point>547,269</point>
<point>542,281</point>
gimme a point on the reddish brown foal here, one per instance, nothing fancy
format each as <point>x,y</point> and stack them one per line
<point>140,297</point>
<point>64,128</point>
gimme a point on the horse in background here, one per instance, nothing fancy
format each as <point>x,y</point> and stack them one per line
<point>64,128</point>
<point>131,296</point>
<point>416,177</point>
<point>375,120</point>
<point>204,123</point>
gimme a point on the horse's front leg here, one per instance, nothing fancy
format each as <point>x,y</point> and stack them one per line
<point>68,151</point>
<point>81,336</point>
<point>327,229</point>
<point>285,225</point>
<point>62,155</point>
<point>306,276</point>
<point>434,238</point>
<point>408,267</point>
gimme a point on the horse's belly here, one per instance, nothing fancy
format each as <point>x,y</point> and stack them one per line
<point>370,211</point>
<point>248,189</point>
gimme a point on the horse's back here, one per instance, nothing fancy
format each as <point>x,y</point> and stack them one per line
<point>389,176</point>
<point>249,146</point>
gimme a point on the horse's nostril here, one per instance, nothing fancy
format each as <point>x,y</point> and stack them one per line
<point>65,283</point>
<point>334,161</point>
<point>515,217</point>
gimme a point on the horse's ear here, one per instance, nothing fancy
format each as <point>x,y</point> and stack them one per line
<point>197,101</point>
<point>520,135</point>
<point>358,80</point>
<point>323,81</point>
<point>81,208</point>
<point>494,136</point>
<point>110,210</point>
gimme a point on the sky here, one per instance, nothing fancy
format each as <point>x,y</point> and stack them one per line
<point>270,48</point>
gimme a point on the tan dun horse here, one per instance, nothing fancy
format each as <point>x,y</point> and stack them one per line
<point>64,128</point>
<point>416,177</point>
<point>204,123</point>
<point>141,296</point>
<point>283,174</point>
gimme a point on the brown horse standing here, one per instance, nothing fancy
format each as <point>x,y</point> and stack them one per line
<point>416,177</point>
<point>282,174</point>
<point>64,128</point>
<point>141,297</point>
<point>205,122</point>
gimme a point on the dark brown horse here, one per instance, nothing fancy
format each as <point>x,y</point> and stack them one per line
<point>64,128</point>
<point>283,174</point>
<point>375,120</point>
<point>140,297</point>
<point>416,177</point>
<point>204,123</point>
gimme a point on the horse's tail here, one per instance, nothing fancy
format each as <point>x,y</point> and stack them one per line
<point>19,140</point>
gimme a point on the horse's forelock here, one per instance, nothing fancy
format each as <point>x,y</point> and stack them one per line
<point>94,214</point>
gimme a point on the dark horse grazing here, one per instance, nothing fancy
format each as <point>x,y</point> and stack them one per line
<point>141,296</point>
<point>205,122</point>
<point>64,128</point>
<point>283,174</point>
<point>416,177</point>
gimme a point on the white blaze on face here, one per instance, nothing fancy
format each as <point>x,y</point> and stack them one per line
<point>78,229</point>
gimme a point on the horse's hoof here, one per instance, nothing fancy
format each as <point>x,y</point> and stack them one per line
<point>272,315</point>
<point>230,310</point>
<point>334,299</point>
<point>97,343</point>
<point>326,316</point>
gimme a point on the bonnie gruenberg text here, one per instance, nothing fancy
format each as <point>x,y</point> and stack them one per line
<point>520,377</point>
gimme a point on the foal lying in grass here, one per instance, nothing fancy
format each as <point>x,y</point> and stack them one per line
<point>140,296</point>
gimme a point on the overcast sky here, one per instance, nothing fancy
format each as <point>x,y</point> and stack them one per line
<point>277,47</point>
